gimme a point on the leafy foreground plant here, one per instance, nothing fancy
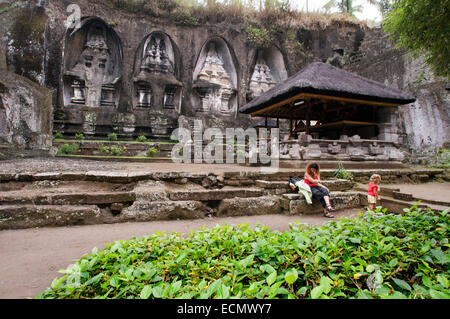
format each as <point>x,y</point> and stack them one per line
<point>376,255</point>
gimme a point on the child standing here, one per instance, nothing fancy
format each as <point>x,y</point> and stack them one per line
<point>372,195</point>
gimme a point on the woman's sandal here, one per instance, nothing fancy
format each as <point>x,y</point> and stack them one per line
<point>328,215</point>
<point>330,209</point>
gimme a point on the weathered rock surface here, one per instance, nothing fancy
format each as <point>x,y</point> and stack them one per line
<point>249,206</point>
<point>28,216</point>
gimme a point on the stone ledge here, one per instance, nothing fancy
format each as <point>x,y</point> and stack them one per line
<point>214,194</point>
<point>249,206</point>
<point>333,184</point>
<point>164,210</point>
<point>294,204</point>
<point>94,198</point>
<point>28,216</point>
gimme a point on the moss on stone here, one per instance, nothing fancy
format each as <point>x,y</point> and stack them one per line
<point>26,47</point>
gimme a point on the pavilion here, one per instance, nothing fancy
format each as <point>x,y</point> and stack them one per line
<point>329,104</point>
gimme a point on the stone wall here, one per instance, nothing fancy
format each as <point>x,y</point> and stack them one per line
<point>422,126</point>
<point>164,71</point>
<point>25,114</point>
<point>163,75</point>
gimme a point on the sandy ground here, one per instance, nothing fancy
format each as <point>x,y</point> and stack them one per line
<point>30,258</point>
<point>65,164</point>
<point>431,191</point>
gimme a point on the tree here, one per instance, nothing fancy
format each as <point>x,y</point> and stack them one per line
<point>423,27</point>
<point>383,5</point>
<point>345,6</point>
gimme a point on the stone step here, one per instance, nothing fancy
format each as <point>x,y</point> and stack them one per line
<point>29,216</point>
<point>144,210</point>
<point>360,175</point>
<point>328,164</point>
<point>214,194</point>
<point>95,198</point>
<point>294,204</point>
<point>250,206</point>
<point>332,184</point>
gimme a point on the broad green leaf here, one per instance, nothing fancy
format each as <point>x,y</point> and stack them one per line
<point>325,283</point>
<point>114,281</point>
<point>436,294</point>
<point>363,294</point>
<point>175,287</point>
<point>247,261</point>
<point>427,281</point>
<point>402,284</point>
<point>146,292</point>
<point>441,257</point>
<point>442,280</point>
<point>271,278</point>
<point>267,268</point>
<point>158,292</point>
<point>396,295</point>
<point>393,262</point>
<point>94,280</point>
<point>291,276</point>
<point>56,282</point>
<point>316,292</point>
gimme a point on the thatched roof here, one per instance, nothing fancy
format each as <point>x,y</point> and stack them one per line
<point>262,123</point>
<point>325,79</point>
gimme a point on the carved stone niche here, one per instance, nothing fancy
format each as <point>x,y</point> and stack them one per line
<point>375,149</point>
<point>267,71</point>
<point>92,65</point>
<point>156,75</point>
<point>334,148</point>
<point>215,80</point>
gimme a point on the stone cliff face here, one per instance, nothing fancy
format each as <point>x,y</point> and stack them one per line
<point>424,125</point>
<point>136,74</point>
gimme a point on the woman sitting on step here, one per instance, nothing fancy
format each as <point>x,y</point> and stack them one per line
<point>312,178</point>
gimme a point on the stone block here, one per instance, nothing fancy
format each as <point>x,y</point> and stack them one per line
<point>163,210</point>
<point>28,216</point>
<point>334,148</point>
<point>402,196</point>
<point>250,206</point>
<point>214,194</point>
<point>313,152</point>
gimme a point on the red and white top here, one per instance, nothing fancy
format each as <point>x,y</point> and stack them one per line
<point>307,181</point>
<point>372,188</point>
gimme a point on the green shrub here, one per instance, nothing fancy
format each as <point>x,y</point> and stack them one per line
<point>79,136</point>
<point>104,149</point>
<point>116,151</point>
<point>67,149</point>
<point>375,255</point>
<point>57,135</point>
<point>442,159</point>
<point>141,138</point>
<point>258,36</point>
<point>152,151</point>
<point>341,172</point>
<point>112,136</point>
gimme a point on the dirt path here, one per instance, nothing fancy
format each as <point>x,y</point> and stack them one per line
<point>431,191</point>
<point>30,258</point>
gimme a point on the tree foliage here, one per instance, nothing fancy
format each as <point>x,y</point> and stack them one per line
<point>423,27</point>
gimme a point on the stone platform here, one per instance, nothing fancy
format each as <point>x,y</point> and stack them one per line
<point>64,197</point>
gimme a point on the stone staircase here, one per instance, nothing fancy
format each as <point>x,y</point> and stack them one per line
<point>92,197</point>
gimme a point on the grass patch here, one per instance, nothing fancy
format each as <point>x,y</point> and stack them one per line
<point>376,255</point>
<point>114,157</point>
<point>108,141</point>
